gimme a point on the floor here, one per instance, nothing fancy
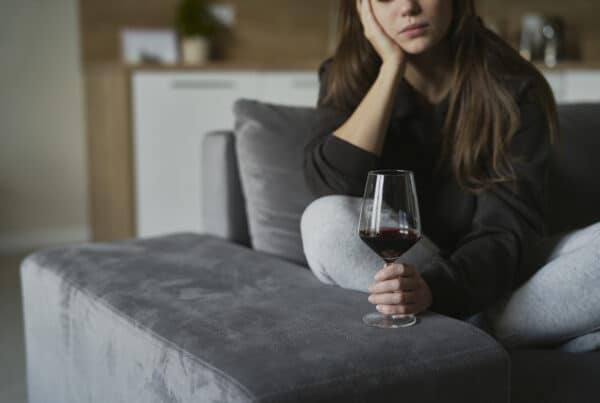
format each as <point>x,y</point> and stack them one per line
<point>12,347</point>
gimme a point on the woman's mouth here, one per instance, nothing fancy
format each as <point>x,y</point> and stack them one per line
<point>414,30</point>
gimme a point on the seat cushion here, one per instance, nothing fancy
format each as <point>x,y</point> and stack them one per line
<point>193,318</point>
<point>270,140</point>
<point>551,376</point>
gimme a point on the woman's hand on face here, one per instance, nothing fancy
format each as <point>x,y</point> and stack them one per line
<point>388,50</point>
<point>400,289</point>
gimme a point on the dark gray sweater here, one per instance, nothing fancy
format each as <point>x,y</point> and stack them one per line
<point>482,237</point>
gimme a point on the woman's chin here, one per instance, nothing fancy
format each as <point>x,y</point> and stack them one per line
<point>415,49</point>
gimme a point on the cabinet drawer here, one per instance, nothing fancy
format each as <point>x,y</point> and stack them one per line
<point>289,88</point>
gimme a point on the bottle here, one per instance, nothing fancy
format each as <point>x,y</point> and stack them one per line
<point>532,40</point>
<point>550,44</point>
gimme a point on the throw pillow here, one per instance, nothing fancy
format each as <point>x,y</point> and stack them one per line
<point>270,141</point>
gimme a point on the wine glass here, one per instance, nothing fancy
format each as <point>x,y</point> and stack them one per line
<point>389,224</point>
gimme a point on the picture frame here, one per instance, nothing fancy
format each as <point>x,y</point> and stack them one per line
<point>149,46</point>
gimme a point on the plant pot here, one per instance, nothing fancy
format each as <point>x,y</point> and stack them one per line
<point>195,50</point>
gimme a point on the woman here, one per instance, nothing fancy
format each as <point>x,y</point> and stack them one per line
<point>423,85</point>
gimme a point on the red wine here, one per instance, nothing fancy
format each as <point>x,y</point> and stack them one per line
<point>389,243</point>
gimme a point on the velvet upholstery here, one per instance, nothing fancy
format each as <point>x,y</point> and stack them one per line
<point>269,144</point>
<point>550,376</point>
<point>195,318</point>
<point>224,208</point>
<point>200,318</point>
<point>573,202</point>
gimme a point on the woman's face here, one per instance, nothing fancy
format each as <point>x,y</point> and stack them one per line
<point>431,17</point>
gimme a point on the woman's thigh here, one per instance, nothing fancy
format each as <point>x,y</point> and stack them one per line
<point>335,252</point>
<point>560,301</point>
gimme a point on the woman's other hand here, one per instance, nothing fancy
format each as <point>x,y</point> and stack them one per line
<point>400,289</point>
<point>389,51</point>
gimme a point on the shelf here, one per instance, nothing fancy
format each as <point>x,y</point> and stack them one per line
<point>569,65</point>
<point>291,65</point>
<point>278,65</point>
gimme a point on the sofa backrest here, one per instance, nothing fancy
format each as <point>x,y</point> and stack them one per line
<point>574,192</point>
<point>574,189</point>
<point>223,203</point>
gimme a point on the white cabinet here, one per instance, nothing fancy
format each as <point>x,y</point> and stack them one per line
<point>572,86</point>
<point>582,86</point>
<point>172,111</point>
<point>171,114</point>
<point>296,88</point>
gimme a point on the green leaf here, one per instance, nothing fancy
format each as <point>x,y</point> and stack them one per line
<point>193,18</point>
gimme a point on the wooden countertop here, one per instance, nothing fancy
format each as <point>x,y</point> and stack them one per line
<point>570,65</point>
<point>304,65</point>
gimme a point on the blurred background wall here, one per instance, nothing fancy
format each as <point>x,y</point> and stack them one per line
<point>43,197</point>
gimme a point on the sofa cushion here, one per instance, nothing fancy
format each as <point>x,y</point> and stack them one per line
<point>269,144</point>
<point>551,376</point>
<point>194,318</point>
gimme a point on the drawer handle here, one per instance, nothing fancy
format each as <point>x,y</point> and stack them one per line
<point>202,85</point>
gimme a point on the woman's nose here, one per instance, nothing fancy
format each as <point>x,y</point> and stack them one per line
<point>408,7</point>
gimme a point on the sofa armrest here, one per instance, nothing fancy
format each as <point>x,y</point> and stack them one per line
<point>223,204</point>
<point>194,318</point>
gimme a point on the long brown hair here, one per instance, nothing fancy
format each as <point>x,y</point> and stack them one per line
<point>478,129</point>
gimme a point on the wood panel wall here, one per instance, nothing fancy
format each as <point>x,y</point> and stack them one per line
<point>580,16</point>
<point>101,21</point>
<point>300,30</point>
<point>264,29</point>
<point>109,144</point>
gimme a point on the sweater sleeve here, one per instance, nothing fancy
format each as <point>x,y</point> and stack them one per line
<point>487,263</point>
<point>331,164</point>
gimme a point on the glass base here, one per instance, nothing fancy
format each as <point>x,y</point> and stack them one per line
<point>389,321</point>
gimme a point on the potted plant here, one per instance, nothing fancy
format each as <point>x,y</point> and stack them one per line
<point>196,27</point>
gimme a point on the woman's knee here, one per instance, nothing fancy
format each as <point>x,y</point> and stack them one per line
<point>324,226</point>
<point>329,213</point>
<point>585,237</point>
<point>594,234</point>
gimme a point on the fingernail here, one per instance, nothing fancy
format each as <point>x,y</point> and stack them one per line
<point>370,299</point>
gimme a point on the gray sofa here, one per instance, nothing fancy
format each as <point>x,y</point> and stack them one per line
<point>235,315</point>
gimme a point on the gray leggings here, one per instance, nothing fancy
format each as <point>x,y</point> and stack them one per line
<point>559,306</point>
